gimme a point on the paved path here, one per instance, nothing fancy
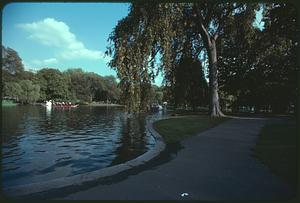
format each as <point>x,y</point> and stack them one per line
<point>214,165</point>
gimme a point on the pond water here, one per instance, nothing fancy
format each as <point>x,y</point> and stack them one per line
<point>39,145</point>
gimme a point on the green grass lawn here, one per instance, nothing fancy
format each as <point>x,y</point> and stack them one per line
<point>176,129</point>
<point>276,148</point>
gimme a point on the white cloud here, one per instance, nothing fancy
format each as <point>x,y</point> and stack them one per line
<point>35,65</point>
<point>51,60</point>
<point>44,62</point>
<point>53,33</point>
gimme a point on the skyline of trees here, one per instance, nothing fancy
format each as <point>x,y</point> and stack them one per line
<point>73,85</point>
<point>49,83</point>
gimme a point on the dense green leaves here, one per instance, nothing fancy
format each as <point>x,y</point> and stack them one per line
<point>11,61</point>
<point>260,70</point>
<point>30,92</point>
<point>53,84</point>
<point>256,67</point>
<point>72,85</point>
<point>12,90</point>
<point>190,87</point>
<point>172,30</point>
<point>23,91</point>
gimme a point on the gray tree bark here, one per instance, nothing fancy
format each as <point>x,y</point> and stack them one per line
<point>214,104</point>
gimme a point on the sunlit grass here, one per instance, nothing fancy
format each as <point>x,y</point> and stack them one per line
<point>176,129</point>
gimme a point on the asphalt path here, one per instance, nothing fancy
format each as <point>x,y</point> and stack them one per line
<point>214,165</point>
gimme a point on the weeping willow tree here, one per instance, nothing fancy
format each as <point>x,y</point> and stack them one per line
<point>154,29</point>
<point>134,45</point>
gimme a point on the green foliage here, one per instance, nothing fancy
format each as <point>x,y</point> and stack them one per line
<point>110,86</point>
<point>88,87</point>
<point>156,95</point>
<point>53,84</point>
<point>260,69</point>
<point>134,46</point>
<point>30,92</point>
<point>12,90</point>
<point>78,85</point>
<point>73,85</point>
<point>190,86</point>
<point>170,29</point>
<point>11,61</point>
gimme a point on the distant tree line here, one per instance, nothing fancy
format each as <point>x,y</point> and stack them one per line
<point>73,85</point>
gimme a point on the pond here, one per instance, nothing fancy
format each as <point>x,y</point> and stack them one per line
<point>40,144</point>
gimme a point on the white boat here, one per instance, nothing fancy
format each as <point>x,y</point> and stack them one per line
<point>49,104</point>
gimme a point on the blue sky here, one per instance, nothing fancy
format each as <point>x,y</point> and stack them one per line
<point>63,35</point>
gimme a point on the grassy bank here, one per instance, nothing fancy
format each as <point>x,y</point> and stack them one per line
<point>176,129</point>
<point>8,103</point>
<point>276,148</point>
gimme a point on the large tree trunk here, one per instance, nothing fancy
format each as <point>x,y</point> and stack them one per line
<point>214,104</point>
<point>210,45</point>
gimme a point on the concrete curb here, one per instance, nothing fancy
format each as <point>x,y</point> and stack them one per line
<point>80,179</point>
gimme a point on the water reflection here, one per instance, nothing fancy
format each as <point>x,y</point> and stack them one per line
<point>38,144</point>
<point>48,111</point>
<point>133,140</point>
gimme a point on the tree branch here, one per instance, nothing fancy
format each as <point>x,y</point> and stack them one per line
<point>153,56</point>
<point>221,21</point>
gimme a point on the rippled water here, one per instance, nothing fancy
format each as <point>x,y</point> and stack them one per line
<point>39,145</point>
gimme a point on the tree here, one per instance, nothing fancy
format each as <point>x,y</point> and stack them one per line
<point>132,42</point>
<point>30,92</point>
<point>12,66</point>
<point>12,90</point>
<point>53,84</point>
<point>111,86</point>
<point>190,85</point>
<point>156,95</point>
<point>211,18</point>
<point>152,28</point>
<point>259,68</point>
<point>11,61</point>
<point>88,87</point>
<point>279,61</point>
<point>95,85</point>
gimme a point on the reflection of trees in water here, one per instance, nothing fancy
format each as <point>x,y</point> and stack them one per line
<point>15,118</point>
<point>133,132</point>
<point>54,120</point>
<point>81,118</point>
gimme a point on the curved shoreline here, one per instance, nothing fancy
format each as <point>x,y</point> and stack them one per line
<point>80,179</point>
